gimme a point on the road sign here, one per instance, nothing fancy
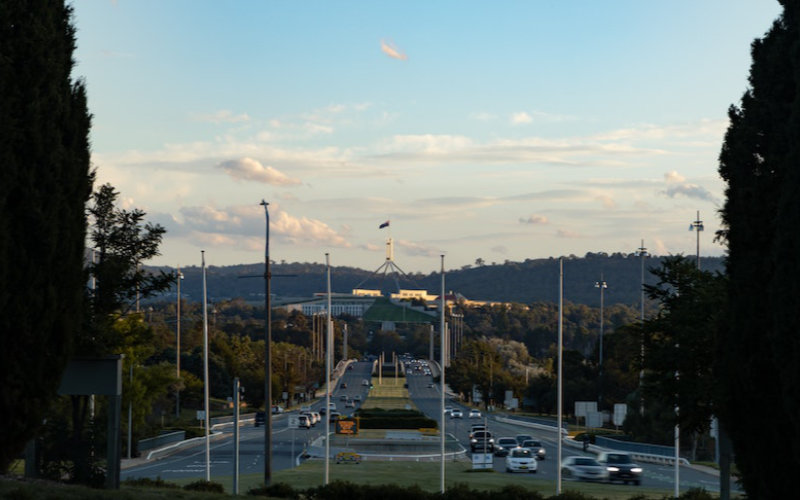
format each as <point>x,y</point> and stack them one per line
<point>620,411</point>
<point>347,426</point>
<point>482,460</point>
<point>294,421</point>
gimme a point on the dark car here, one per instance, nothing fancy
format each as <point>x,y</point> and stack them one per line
<point>480,441</point>
<point>259,419</point>
<point>621,467</point>
<point>503,445</point>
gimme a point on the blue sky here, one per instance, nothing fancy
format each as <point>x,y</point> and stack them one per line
<point>500,130</point>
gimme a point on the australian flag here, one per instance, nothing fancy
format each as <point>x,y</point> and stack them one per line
<point>385,224</point>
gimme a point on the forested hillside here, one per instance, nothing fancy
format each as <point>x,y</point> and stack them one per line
<point>534,280</point>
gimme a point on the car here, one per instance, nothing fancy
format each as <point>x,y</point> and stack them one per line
<point>620,467</point>
<point>349,404</point>
<point>357,397</point>
<point>317,416</point>
<point>480,441</point>
<point>334,416</point>
<point>343,385</point>
<point>331,406</point>
<point>259,418</point>
<point>311,417</point>
<point>322,411</point>
<point>475,428</point>
<point>343,397</point>
<point>304,421</point>
<point>503,445</point>
<point>536,448</point>
<point>521,438</point>
<point>277,409</point>
<point>448,410</point>
<point>583,468</point>
<point>456,413</point>
<point>431,386</point>
<point>350,367</point>
<point>473,413</point>
<point>365,383</point>
<point>521,460</point>
<point>305,408</point>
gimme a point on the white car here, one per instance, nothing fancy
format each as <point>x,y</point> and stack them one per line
<point>448,410</point>
<point>521,460</point>
<point>456,413</point>
<point>583,468</point>
<point>473,413</point>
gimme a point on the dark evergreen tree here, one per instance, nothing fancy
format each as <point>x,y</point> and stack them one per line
<point>759,350</point>
<point>45,182</point>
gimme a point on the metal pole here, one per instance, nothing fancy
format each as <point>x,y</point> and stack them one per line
<point>236,436</point>
<point>178,349</point>
<point>130,408</point>
<point>560,367</point>
<point>642,254</point>
<point>267,355</point>
<point>328,388</point>
<point>697,226</point>
<point>205,370</point>
<point>442,356</point>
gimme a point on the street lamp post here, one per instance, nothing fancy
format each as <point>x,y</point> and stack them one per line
<point>178,348</point>
<point>267,357</point>
<point>697,226</point>
<point>602,285</point>
<point>642,252</point>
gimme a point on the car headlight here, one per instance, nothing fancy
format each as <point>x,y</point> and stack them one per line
<point>637,470</point>
<point>473,440</point>
<point>612,469</point>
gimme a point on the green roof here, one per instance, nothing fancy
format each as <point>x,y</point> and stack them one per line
<point>384,310</point>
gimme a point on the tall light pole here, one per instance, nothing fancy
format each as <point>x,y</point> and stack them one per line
<point>328,388</point>
<point>206,405</point>
<point>267,357</point>
<point>642,252</point>
<point>560,368</point>
<point>602,285</point>
<point>442,348</point>
<point>178,348</point>
<point>697,226</point>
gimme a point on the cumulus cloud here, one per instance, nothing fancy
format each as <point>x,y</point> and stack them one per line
<point>389,48</point>
<point>222,116</point>
<point>533,219</point>
<point>234,225</point>
<point>521,118</point>
<point>690,191</point>
<point>251,170</point>
<point>305,230</point>
<point>673,176</point>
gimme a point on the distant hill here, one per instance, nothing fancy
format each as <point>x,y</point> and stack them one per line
<point>534,280</point>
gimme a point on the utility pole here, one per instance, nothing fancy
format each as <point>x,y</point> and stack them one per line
<point>267,357</point>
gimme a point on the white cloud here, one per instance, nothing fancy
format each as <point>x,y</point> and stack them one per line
<point>305,230</point>
<point>392,51</point>
<point>252,170</point>
<point>521,118</point>
<point>690,191</point>
<point>673,176</point>
<point>533,219</point>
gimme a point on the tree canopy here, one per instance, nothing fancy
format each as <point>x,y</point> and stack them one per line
<point>759,348</point>
<point>45,182</point>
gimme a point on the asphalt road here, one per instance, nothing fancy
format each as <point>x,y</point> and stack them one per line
<point>288,444</point>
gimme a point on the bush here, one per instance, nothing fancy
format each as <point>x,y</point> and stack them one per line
<point>277,490</point>
<point>146,482</point>
<point>209,486</point>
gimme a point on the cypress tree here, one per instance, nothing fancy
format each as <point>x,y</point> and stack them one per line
<point>45,182</point>
<point>759,347</point>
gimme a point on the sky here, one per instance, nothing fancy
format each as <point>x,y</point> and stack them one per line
<point>502,130</point>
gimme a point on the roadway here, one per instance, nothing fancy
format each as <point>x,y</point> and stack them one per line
<point>289,444</point>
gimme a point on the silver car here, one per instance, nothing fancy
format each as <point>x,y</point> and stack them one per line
<point>583,468</point>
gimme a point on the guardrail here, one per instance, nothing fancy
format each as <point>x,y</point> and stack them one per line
<point>607,443</point>
<point>161,440</point>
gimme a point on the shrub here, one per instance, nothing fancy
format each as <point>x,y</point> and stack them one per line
<point>146,482</point>
<point>209,486</point>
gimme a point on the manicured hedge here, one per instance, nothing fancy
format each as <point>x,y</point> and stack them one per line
<point>378,418</point>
